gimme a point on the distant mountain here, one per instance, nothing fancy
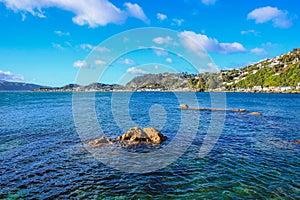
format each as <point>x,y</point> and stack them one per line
<point>77,88</point>
<point>17,86</point>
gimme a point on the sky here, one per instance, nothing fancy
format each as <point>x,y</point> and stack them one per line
<point>53,42</point>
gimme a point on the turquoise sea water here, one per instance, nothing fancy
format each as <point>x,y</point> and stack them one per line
<point>42,156</point>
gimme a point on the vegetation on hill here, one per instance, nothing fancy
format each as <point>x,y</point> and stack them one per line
<point>281,71</point>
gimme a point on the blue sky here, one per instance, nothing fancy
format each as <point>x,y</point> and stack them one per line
<point>48,41</point>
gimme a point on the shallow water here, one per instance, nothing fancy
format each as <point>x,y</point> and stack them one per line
<point>42,155</point>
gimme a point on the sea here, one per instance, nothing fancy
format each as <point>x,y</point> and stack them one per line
<point>44,151</point>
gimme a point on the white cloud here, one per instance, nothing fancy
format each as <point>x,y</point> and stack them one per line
<point>100,62</point>
<point>259,51</point>
<point>156,66</point>
<point>212,67</point>
<point>81,64</point>
<point>134,70</point>
<point>89,47</point>
<point>199,43</point>
<point>248,32</point>
<point>161,17</point>
<point>278,17</point>
<point>136,11</point>
<point>87,12</point>
<point>177,22</point>
<point>169,60</point>
<point>60,33</point>
<point>102,49</point>
<point>57,46</point>
<point>209,2</point>
<point>8,76</point>
<point>162,40</point>
<point>160,51</point>
<point>128,61</point>
<point>269,45</point>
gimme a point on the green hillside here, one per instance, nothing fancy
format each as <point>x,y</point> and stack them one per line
<point>281,71</point>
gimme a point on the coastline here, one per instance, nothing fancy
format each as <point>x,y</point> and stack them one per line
<point>163,91</point>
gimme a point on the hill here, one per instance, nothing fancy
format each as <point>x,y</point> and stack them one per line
<point>281,71</point>
<point>275,74</point>
<point>17,86</point>
<point>78,88</point>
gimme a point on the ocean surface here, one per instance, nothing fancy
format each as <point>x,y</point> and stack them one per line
<point>43,152</point>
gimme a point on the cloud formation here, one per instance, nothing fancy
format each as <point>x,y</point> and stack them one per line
<point>89,47</point>
<point>135,70</point>
<point>248,32</point>
<point>161,17</point>
<point>209,2</point>
<point>259,51</point>
<point>80,64</point>
<point>160,51</point>
<point>169,60</point>
<point>61,33</point>
<point>177,22</point>
<point>128,61</point>
<point>100,62</point>
<point>279,18</point>
<point>162,40</point>
<point>93,13</point>
<point>199,43</point>
<point>8,76</point>
<point>134,10</point>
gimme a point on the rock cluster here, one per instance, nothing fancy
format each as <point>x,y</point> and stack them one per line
<point>134,136</point>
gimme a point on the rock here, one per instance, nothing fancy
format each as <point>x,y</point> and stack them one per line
<point>136,135</point>
<point>255,113</point>
<point>296,141</point>
<point>183,106</point>
<point>100,142</point>
<point>154,135</point>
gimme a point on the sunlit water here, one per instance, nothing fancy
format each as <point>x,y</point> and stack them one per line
<point>42,156</point>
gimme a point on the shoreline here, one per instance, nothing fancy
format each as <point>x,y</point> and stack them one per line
<point>165,91</point>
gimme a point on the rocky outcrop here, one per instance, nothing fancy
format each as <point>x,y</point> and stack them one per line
<point>134,136</point>
<point>255,113</point>
<point>100,142</point>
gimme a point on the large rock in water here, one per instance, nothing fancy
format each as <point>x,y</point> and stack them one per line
<point>136,135</point>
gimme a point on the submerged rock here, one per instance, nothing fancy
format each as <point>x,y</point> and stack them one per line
<point>100,142</point>
<point>183,106</point>
<point>296,141</point>
<point>255,113</point>
<point>134,136</point>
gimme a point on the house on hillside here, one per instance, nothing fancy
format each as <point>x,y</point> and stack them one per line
<point>298,86</point>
